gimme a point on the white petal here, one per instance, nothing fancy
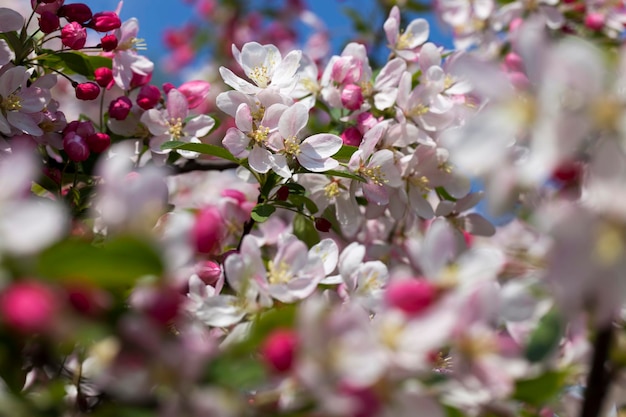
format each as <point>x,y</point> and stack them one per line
<point>237,83</point>
<point>322,145</point>
<point>10,20</point>
<point>236,142</point>
<point>293,120</point>
<point>260,159</point>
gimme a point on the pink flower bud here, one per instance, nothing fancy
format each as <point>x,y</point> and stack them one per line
<point>234,194</point>
<point>412,296</point>
<point>207,230</point>
<point>519,80</point>
<point>98,142</point>
<point>352,136</point>
<point>28,306</point>
<point>163,304</point>
<point>74,36</point>
<point>120,107</point>
<point>138,80</point>
<point>279,349</point>
<point>89,301</point>
<point>75,12</point>
<point>51,6</point>
<point>148,97</point>
<point>83,129</point>
<point>196,92</point>
<point>104,77</point>
<point>209,272</point>
<point>352,97</point>
<point>595,21</point>
<point>108,42</point>
<point>365,121</point>
<point>105,22</point>
<point>347,70</point>
<point>76,147</point>
<point>513,62</point>
<point>282,194</point>
<point>87,91</point>
<point>48,22</point>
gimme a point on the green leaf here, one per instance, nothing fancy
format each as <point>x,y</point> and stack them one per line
<point>344,174</point>
<point>295,188</point>
<point>345,152</point>
<point>236,372</point>
<point>540,390</point>
<point>443,194</point>
<point>203,148</point>
<point>262,212</point>
<point>304,229</point>
<point>302,201</point>
<point>118,263</point>
<point>97,61</point>
<point>546,337</point>
<point>76,62</point>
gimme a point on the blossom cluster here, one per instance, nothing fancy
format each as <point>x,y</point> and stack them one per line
<point>441,234</point>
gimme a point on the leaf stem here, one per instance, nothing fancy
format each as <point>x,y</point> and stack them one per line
<point>599,377</point>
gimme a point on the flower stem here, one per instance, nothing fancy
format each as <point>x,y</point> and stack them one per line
<point>599,377</point>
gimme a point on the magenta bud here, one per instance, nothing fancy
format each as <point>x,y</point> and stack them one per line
<point>279,349</point>
<point>74,36</point>
<point>282,194</point>
<point>595,21</point>
<point>351,136</point>
<point>209,272</point>
<point>322,224</point>
<point>208,229</point>
<point>75,12</point>
<point>105,22</point>
<point>167,87</point>
<point>412,296</point>
<point>87,91</point>
<point>28,306</point>
<point>48,22</point>
<point>352,97</point>
<point>120,108</point>
<point>108,43</point>
<point>148,97</point>
<point>104,77</point>
<point>98,142</point>
<point>76,147</point>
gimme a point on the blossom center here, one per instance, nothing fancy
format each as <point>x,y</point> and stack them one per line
<point>418,110</point>
<point>260,135</point>
<point>176,128</point>
<point>292,146</point>
<point>374,174</point>
<point>331,190</point>
<point>136,44</point>
<point>278,274</point>
<point>12,103</point>
<point>404,40</point>
<point>422,183</point>
<point>260,75</point>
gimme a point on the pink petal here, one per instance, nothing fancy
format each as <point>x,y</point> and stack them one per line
<point>260,160</point>
<point>293,120</point>
<point>177,106</point>
<point>322,145</point>
<point>236,142</point>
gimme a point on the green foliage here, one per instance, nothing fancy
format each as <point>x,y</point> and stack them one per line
<point>74,62</point>
<point>540,390</point>
<point>118,263</point>
<point>546,337</point>
<point>262,212</point>
<point>304,229</point>
<point>202,148</point>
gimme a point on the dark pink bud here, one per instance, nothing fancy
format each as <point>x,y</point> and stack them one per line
<point>208,229</point>
<point>412,296</point>
<point>74,36</point>
<point>352,136</point>
<point>104,77</point>
<point>279,349</point>
<point>352,97</point>
<point>43,6</point>
<point>105,22</point>
<point>87,91</point>
<point>568,171</point>
<point>48,22</point>
<point>209,272</point>
<point>98,142</point>
<point>89,301</point>
<point>28,306</point>
<point>196,92</point>
<point>75,12</point>
<point>148,97</point>
<point>108,43</point>
<point>513,62</point>
<point>76,147</point>
<point>167,87</point>
<point>120,107</point>
<point>595,21</point>
<point>83,129</point>
<point>322,224</point>
<point>282,194</point>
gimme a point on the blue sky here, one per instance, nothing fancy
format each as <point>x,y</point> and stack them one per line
<point>156,15</point>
